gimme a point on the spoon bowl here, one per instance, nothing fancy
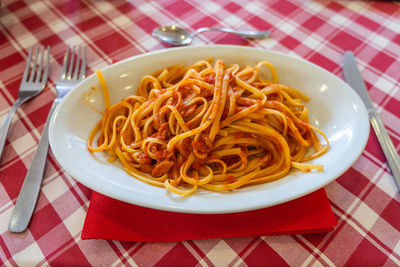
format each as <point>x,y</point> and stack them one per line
<point>175,35</point>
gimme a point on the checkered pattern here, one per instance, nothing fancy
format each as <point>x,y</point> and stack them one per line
<point>364,199</point>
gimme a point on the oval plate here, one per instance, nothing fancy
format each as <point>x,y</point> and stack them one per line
<point>334,108</point>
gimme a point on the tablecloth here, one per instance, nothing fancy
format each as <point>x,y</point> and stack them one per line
<point>364,199</point>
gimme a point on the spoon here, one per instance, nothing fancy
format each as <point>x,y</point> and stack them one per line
<point>175,35</point>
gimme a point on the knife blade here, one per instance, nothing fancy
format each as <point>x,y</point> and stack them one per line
<point>353,77</point>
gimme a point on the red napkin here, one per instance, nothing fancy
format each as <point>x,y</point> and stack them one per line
<point>112,219</point>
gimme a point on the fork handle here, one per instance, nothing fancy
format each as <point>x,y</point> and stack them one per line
<point>29,193</point>
<point>7,122</point>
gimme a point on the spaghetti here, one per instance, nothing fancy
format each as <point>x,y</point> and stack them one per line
<point>217,127</point>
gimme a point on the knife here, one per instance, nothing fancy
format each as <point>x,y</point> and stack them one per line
<point>353,77</point>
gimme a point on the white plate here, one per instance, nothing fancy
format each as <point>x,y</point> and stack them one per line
<point>334,108</point>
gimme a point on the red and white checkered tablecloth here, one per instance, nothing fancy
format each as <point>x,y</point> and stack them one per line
<point>365,199</point>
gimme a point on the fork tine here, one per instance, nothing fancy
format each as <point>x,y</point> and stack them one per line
<point>71,63</point>
<point>83,65</point>
<point>63,74</point>
<point>46,69</point>
<point>78,55</point>
<point>32,74</point>
<point>28,64</point>
<point>39,71</point>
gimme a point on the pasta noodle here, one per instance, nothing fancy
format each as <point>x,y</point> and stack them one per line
<point>213,126</point>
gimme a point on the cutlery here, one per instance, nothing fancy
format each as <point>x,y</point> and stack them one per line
<point>353,77</point>
<point>70,76</point>
<point>32,83</point>
<point>175,35</point>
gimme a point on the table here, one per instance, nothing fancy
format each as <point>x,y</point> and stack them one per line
<point>364,199</point>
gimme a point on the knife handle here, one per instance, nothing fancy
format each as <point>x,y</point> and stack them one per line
<point>387,146</point>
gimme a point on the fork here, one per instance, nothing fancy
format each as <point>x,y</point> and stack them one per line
<point>70,76</point>
<point>32,84</point>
